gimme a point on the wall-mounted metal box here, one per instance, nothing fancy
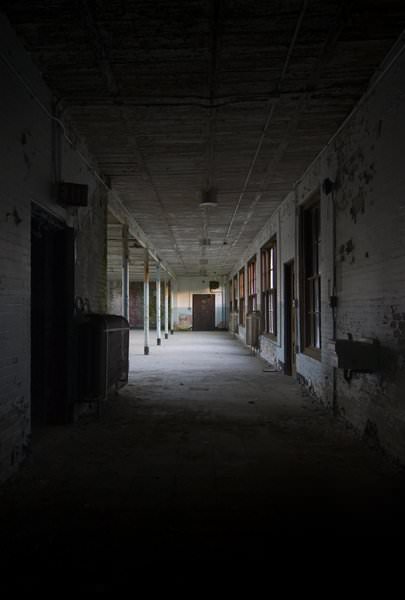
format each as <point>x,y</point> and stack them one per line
<point>73,194</point>
<point>103,354</point>
<point>357,355</point>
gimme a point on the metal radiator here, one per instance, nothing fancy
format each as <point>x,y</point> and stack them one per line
<point>234,322</point>
<point>253,328</point>
<point>103,355</point>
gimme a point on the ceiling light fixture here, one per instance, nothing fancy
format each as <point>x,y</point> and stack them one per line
<point>209,197</point>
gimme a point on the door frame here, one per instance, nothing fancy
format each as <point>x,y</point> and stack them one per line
<point>289,319</point>
<point>212,297</point>
<point>57,308</point>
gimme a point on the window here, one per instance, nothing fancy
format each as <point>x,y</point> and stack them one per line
<point>235,293</point>
<point>251,286</point>
<point>242,296</point>
<point>269,287</point>
<point>312,279</point>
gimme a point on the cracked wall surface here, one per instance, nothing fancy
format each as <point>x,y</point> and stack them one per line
<point>365,162</point>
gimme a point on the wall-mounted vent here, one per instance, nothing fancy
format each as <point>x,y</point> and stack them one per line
<point>73,194</point>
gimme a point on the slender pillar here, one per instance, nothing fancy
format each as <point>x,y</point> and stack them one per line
<point>171,313</point>
<point>125,272</point>
<point>166,310</point>
<point>158,323</point>
<point>146,302</point>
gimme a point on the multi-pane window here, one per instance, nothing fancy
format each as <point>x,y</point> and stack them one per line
<point>242,296</point>
<point>312,278</point>
<point>235,293</point>
<point>251,277</point>
<point>269,287</point>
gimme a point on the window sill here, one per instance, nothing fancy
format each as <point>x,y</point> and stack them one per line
<point>270,336</point>
<point>314,353</point>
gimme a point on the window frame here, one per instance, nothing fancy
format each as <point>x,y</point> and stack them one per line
<point>235,292</point>
<point>251,284</point>
<point>311,294</point>
<point>242,292</point>
<point>268,275</point>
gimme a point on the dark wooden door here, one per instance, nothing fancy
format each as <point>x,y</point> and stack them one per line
<point>203,312</point>
<point>289,322</point>
<point>52,289</point>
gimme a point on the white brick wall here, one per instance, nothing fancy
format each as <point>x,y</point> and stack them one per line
<point>114,302</point>
<point>371,276</point>
<point>27,174</point>
<point>14,335</point>
<point>367,160</point>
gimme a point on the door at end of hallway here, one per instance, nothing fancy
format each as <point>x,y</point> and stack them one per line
<point>203,312</point>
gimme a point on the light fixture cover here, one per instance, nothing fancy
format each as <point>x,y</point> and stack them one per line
<point>209,197</point>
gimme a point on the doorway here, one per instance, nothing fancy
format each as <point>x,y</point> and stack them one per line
<point>289,320</point>
<point>52,293</point>
<point>203,312</point>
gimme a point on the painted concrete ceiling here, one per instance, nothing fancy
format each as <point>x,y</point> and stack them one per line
<point>174,97</point>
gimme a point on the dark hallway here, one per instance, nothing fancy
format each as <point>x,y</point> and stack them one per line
<point>217,186</point>
<point>207,455</point>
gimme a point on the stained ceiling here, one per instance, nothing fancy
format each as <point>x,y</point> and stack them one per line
<point>173,97</point>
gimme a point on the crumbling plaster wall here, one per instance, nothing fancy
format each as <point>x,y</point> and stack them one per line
<point>366,160</point>
<point>114,296</point>
<point>34,156</point>
<point>371,257</point>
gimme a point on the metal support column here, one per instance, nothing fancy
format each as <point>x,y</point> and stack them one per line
<point>146,302</point>
<point>125,272</point>
<point>158,321</point>
<point>166,310</point>
<point>171,313</point>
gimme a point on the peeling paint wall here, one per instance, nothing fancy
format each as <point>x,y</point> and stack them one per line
<point>371,258</point>
<point>135,302</point>
<point>34,156</point>
<point>114,297</point>
<point>366,162</point>
<point>91,251</point>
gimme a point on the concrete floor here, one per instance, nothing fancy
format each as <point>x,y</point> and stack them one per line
<point>206,455</point>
